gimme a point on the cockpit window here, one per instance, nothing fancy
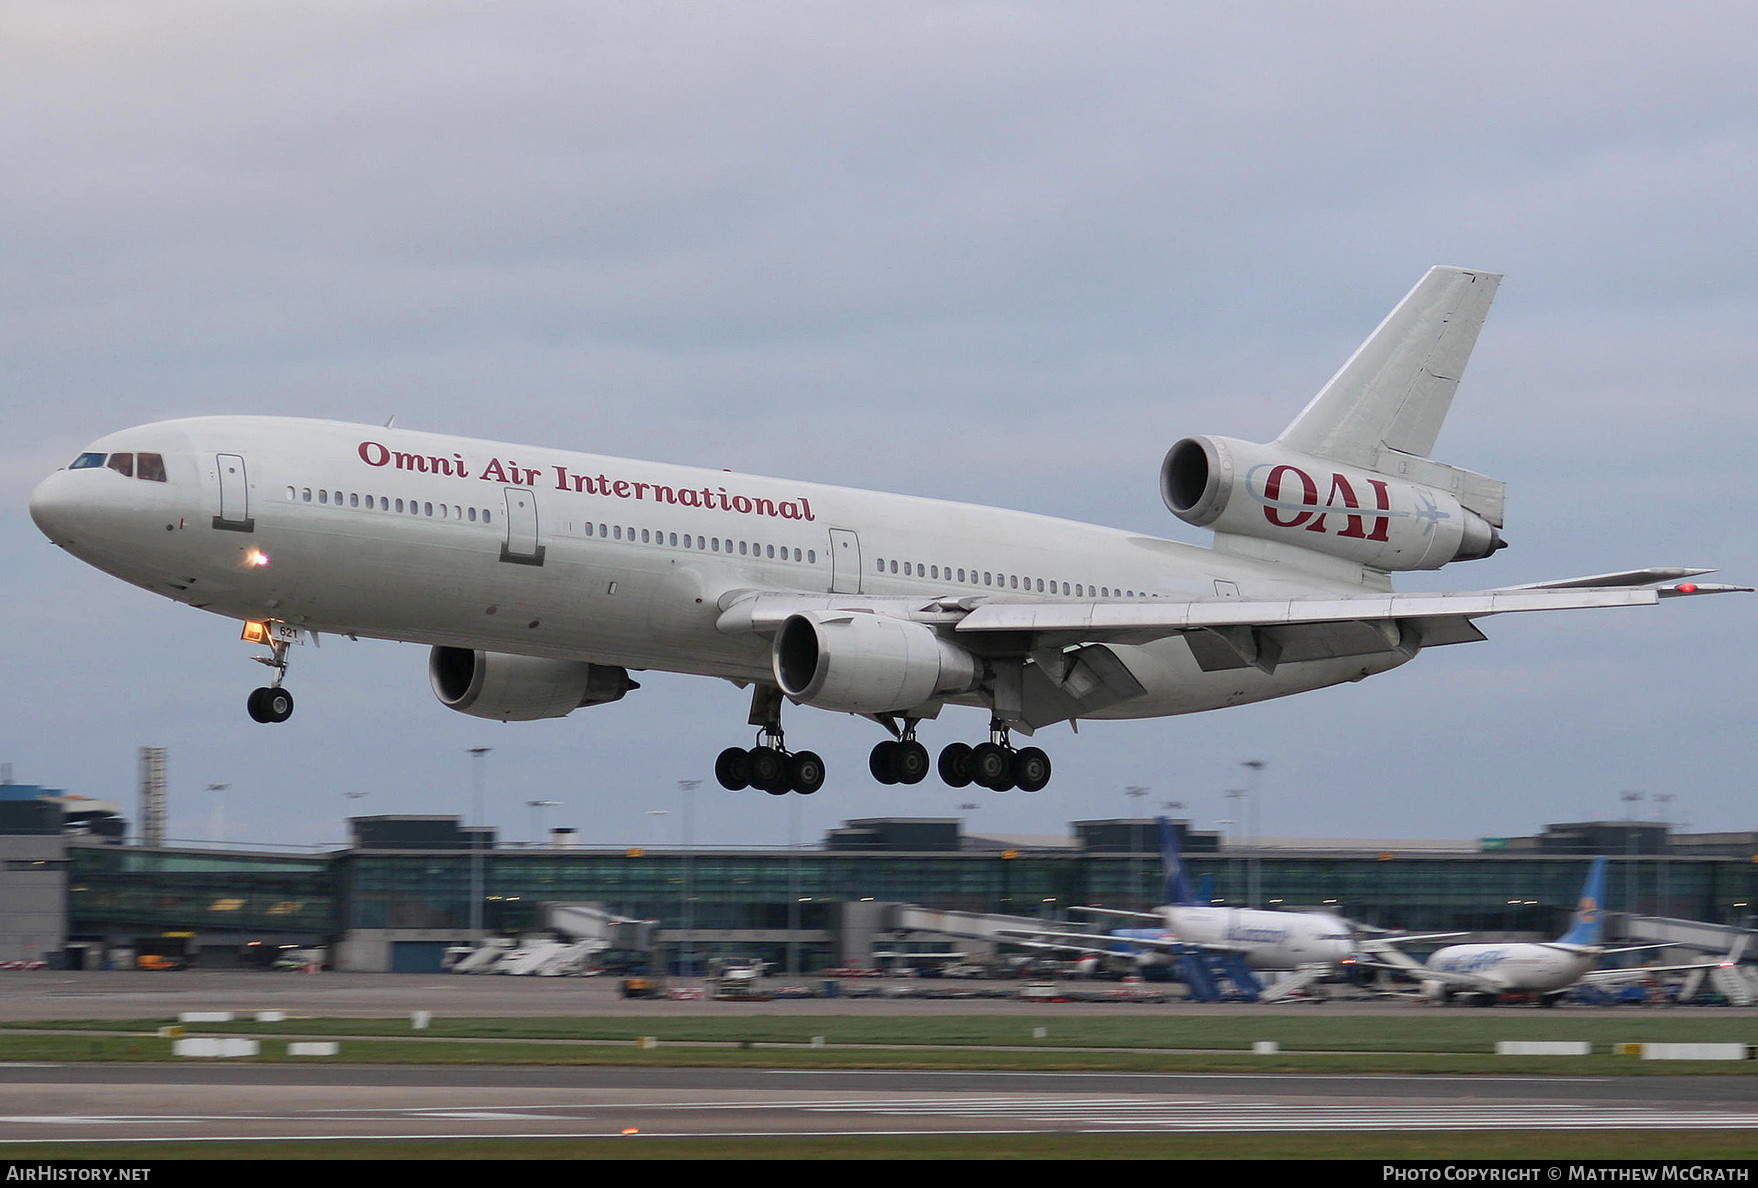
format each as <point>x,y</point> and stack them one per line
<point>150,467</point>
<point>122,464</point>
<point>87,461</point>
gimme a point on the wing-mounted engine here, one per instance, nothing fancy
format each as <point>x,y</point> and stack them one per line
<point>511,688</point>
<point>1379,520</point>
<point>863,663</point>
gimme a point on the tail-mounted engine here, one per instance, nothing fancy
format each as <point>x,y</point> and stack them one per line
<point>520,688</point>
<point>1271,493</point>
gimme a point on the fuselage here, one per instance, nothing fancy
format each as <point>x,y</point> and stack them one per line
<point>1267,940</point>
<point>425,538</point>
<point>1518,967</point>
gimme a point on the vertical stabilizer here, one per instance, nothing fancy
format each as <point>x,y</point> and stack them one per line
<point>1586,928</point>
<point>1384,409</point>
<point>1178,892</point>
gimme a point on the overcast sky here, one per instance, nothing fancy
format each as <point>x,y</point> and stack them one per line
<point>997,252</point>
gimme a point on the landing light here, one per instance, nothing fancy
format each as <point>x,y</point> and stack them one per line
<point>256,631</point>
<point>256,558</point>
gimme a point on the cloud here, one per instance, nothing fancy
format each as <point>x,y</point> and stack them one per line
<point>994,252</point>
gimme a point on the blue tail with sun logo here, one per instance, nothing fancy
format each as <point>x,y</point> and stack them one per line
<point>1586,928</point>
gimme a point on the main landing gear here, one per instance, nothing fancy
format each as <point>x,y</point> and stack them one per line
<point>769,766</point>
<point>271,703</point>
<point>994,765</point>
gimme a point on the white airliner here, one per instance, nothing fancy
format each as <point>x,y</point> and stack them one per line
<point>1541,971</point>
<point>540,577</point>
<point>1307,944</point>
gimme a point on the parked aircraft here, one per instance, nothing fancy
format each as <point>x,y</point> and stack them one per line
<point>542,578</point>
<point>1317,941</point>
<point>1543,971</point>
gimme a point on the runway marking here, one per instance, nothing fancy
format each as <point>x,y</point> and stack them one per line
<point>1060,1112</point>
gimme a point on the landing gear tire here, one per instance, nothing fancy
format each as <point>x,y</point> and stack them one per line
<point>910,762</point>
<point>768,770</point>
<point>879,762</point>
<point>992,766</point>
<point>1031,769</point>
<point>956,770</point>
<point>900,761</point>
<point>733,769</point>
<point>270,704</point>
<point>805,772</point>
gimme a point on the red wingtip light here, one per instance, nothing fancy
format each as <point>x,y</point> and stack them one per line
<point>1686,587</point>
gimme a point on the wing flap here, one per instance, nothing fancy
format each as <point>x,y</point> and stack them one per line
<point>1141,622</point>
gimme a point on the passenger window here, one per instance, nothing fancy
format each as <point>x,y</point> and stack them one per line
<point>122,464</point>
<point>150,467</point>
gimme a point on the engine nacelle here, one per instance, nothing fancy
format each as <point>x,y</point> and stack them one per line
<point>866,663</point>
<point>511,688</point>
<point>1269,493</point>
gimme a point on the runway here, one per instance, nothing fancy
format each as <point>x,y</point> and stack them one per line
<point>98,1104</point>
<point>135,1103</point>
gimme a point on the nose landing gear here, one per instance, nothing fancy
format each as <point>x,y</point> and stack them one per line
<point>271,703</point>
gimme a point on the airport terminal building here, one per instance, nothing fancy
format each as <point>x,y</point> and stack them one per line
<point>75,892</point>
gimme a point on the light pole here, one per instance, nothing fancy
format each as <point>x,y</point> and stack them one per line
<point>537,807</point>
<point>1629,799</point>
<point>346,813</point>
<point>1253,888</point>
<point>217,811</point>
<point>1665,893</point>
<point>685,788</point>
<point>1135,792</point>
<point>1242,837</point>
<point>476,834</point>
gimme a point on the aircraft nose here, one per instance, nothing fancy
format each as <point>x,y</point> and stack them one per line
<point>54,507</point>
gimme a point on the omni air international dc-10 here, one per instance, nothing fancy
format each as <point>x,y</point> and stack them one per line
<point>540,578</point>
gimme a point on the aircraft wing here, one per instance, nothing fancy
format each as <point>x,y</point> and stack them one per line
<point>1390,942</point>
<point>1086,942</point>
<point>1260,631</point>
<point>1634,973</point>
<point>1075,674</point>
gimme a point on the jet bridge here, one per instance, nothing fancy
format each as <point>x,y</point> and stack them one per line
<point>576,934</point>
<point>1732,981</point>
